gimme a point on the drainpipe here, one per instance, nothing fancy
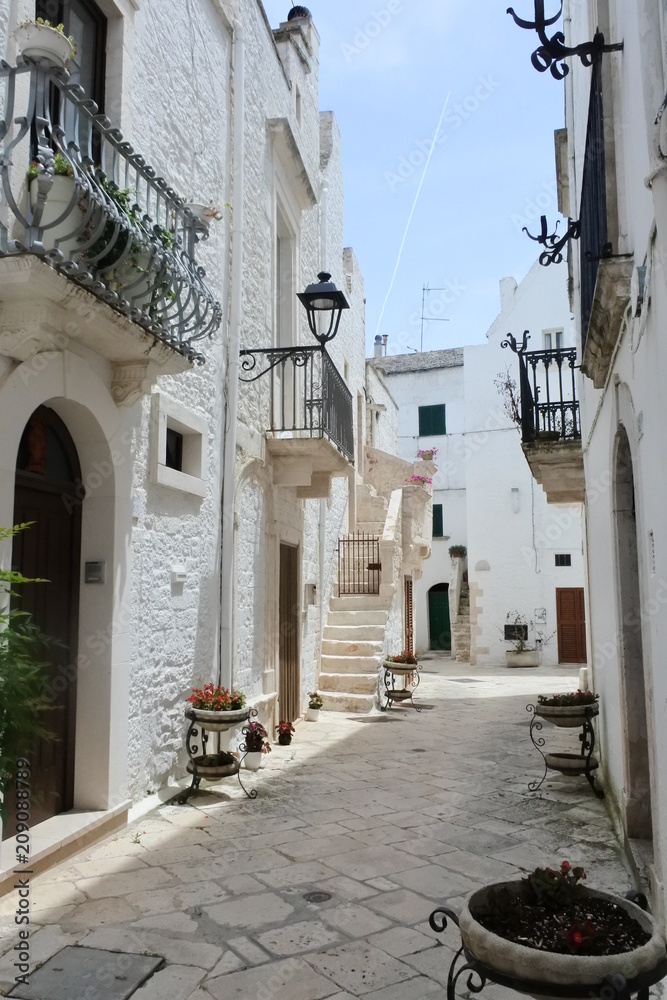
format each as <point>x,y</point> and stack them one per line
<point>324,231</point>
<point>231,408</point>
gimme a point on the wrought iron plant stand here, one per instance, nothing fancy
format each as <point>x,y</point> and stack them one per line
<point>409,673</point>
<point>613,987</point>
<point>196,730</point>
<point>567,763</point>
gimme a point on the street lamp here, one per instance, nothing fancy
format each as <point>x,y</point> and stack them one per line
<point>319,299</point>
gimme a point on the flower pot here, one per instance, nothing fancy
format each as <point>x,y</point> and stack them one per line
<point>61,217</point>
<point>528,658</point>
<point>38,41</point>
<point>427,456</point>
<point>549,968</point>
<point>253,760</point>
<point>567,716</point>
<point>217,722</point>
<point>284,739</point>
<point>312,714</point>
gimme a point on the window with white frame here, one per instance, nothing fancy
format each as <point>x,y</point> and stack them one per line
<point>553,340</point>
<point>178,446</point>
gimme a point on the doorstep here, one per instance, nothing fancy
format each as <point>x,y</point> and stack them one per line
<point>59,838</point>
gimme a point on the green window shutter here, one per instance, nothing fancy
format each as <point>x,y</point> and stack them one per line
<point>437,521</point>
<point>432,421</point>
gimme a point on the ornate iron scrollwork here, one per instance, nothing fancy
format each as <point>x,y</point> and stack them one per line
<point>271,357</point>
<point>553,52</point>
<point>554,246</point>
<point>511,342</point>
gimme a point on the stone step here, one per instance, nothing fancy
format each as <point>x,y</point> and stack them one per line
<point>348,683</point>
<point>343,701</point>
<point>350,647</point>
<point>354,633</point>
<point>353,664</point>
<point>359,602</point>
<point>361,618</point>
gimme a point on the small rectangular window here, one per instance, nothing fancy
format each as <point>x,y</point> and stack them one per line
<point>559,339</point>
<point>432,421</point>
<point>437,520</point>
<point>515,632</point>
<point>547,342</point>
<point>174,456</point>
<point>563,559</point>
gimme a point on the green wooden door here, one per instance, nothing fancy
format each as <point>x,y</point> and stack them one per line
<point>440,629</point>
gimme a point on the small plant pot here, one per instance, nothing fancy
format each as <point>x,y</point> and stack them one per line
<point>427,456</point>
<point>312,714</point>
<point>528,658</point>
<point>38,41</point>
<point>284,739</point>
<point>253,760</point>
<point>61,216</point>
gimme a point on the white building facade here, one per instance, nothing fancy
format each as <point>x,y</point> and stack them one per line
<point>524,557</point>
<point>197,516</point>
<point>613,181</point>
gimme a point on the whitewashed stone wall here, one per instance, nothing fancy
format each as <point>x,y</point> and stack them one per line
<point>382,425</point>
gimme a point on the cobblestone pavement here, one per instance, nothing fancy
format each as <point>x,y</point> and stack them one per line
<point>388,815</point>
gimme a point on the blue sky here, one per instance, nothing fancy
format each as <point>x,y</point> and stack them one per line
<point>388,69</point>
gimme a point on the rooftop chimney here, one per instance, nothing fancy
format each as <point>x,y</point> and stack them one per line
<point>377,350</point>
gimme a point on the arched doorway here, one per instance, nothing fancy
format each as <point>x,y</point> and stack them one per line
<point>48,493</point>
<point>637,805</point>
<point>439,622</point>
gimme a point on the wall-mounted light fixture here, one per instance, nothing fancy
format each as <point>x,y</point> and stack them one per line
<point>553,52</point>
<point>324,305</point>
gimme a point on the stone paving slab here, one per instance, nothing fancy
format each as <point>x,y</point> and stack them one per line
<point>221,888</point>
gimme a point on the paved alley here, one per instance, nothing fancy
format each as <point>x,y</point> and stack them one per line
<point>322,887</point>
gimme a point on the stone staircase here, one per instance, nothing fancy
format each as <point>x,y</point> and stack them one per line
<point>353,641</point>
<point>461,630</point>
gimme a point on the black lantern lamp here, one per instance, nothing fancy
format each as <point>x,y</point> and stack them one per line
<point>323,301</point>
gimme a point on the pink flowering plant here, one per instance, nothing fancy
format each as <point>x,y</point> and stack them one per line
<point>256,738</point>
<point>212,698</point>
<point>427,451</point>
<point>416,480</point>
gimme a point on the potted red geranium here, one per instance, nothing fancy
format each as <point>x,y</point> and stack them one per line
<point>255,743</point>
<point>216,708</point>
<point>285,730</point>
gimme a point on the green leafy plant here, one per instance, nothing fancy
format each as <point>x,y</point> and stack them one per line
<point>23,676</point>
<point>255,738</point>
<point>555,888</point>
<point>61,167</point>
<point>41,22</point>
<point>315,700</point>
<point>403,657</point>
<point>215,698</point>
<point>566,700</point>
<point>221,759</point>
<point>458,551</point>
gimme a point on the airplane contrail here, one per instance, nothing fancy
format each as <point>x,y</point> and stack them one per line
<point>412,212</point>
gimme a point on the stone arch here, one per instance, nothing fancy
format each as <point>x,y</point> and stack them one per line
<point>635,725</point>
<point>68,385</point>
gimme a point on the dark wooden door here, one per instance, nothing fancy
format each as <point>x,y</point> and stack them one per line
<point>571,620</point>
<point>439,622</point>
<point>48,493</point>
<point>288,657</point>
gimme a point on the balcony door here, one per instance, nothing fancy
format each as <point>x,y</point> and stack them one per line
<point>289,689</point>
<point>47,493</point>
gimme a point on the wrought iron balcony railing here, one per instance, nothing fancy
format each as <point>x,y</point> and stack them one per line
<point>594,244</point>
<point>96,211</point>
<point>308,395</point>
<point>549,404</point>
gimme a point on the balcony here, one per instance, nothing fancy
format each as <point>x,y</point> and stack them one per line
<point>550,423</point>
<point>94,246</point>
<point>605,278</point>
<point>310,429</point>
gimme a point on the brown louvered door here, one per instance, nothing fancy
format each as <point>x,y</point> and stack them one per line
<point>571,617</point>
<point>409,616</point>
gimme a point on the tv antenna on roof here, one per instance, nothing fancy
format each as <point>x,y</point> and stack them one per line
<point>429,319</point>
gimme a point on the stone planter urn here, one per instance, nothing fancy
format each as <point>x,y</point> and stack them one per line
<point>547,969</point>
<point>40,41</point>
<point>527,658</point>
<point>217,722</point>
<point>567,716</point>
